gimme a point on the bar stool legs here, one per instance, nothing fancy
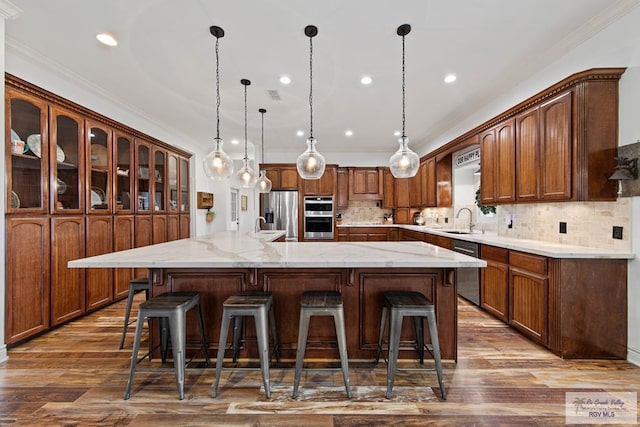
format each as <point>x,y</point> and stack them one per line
<point>138,284</point>
<point>238,306</point>
<point>321,303</point>
<point>171,309</point>
<point>410,304</point>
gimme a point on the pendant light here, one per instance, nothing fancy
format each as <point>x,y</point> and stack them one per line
<point>217,164</point>
<point>264,183</point>
<point>404,163</point>
<point>246,175</point>
<point>311,163</point>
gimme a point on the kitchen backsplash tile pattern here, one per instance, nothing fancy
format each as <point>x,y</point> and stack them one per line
<point>588,223</point>
<point>364,212</point>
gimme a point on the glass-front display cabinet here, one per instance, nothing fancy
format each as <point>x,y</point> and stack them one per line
<point>184,185</point>
<point>159,181</point>
<point>28,147</point>
<point>173,183</point>
<point>124,172</point>
<point>143,157</point>
<point>99,172</point>
<point>66,159</point>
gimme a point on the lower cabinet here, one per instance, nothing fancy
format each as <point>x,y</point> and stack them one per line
<point>27,277</point>
<point>528,289</point>
<point>99,281</point>
<point>185,226</point>
<point>67,284</point>
<point>364,234</point>
<point>123,238</point>
<point>173,227</point>
<point>574,307</point>
<point>494,291</point>
<point>159,224</point>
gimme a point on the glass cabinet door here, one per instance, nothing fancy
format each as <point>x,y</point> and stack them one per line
<point>124,168</point>
<point>67,133</point>
<point>184,185</point>
<point>159,182</point>
<point>27,147</point>
<point>143,157</point>
<point>99,172</point>
<point>173,183</point>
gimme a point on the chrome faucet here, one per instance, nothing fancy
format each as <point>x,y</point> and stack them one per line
<point>258,223</point>
<point>471,224</point>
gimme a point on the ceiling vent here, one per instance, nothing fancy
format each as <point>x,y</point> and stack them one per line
<point>274,95</point>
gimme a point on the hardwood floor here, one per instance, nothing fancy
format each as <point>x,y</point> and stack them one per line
<point>75,375</point>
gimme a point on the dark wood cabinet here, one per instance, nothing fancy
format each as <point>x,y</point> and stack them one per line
<point>99,281</point>
<point>528,289</point>
<point>365,183</point>
<point>27,274</point>
<point>173,227</point>
<point>159,228</point>
<point>527,156</point>
<point>283,176</point>
<point>364,234</point>
<point>185,226</point>
<point>78,181</point>
<point>415,190</point>
<point>444,181</point>
<point>441,241</point>
<point>497,162</point>
<point>429,182</point>
<point>325,186</point>
<point>494,282</point>
<point>556,155</point>
<point>67,284</point>
<point>388,193</point>
<point>412,235</point>
<point>123,239</point>
<point>342,188</point>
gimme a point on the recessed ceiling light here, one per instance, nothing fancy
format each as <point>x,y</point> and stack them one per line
<point>366,80</point>
<point>300,133</point>
<point>235,141</point>
<point>396,133</point>
<point>108,39</point>
<point>348,132</point>
<point>450,78</point>
<point>285,80</point>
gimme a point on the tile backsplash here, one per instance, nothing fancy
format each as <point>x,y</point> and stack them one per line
<point>588,223</point>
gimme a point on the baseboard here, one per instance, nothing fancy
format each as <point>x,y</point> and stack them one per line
<point>4,356</point>
<point>633,356</point>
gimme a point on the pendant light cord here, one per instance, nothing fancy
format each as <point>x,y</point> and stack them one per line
<point>217,90</point>
<point>311,86</point>
<point>262,135</point>
<point>246,157</point>
<point>403,86</point>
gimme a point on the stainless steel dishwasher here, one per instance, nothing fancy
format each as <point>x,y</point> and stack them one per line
<point>468,278</point>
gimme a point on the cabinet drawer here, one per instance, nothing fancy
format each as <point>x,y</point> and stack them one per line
<point>495,254</point>
<point>533,263</point>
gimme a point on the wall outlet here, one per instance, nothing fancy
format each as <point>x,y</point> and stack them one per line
<point>377,204</point>
<point>563,227</point>
<point>617,232</point>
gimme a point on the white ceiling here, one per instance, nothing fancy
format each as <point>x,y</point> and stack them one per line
<point>164,66</point>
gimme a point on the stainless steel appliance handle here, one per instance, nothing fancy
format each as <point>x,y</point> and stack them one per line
<point>465,250</point>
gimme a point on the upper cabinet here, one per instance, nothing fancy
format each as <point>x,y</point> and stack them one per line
<point>325,186</point>
<point>124,173</point>
<point>497,162</point>
<point>282,176</point>
<point>27,171</point>
<point>66,161</point>
<point>143,185</point>
<point>365,183</point>
<point>559,145</point>
<point>99,161</point>
<point>184,185</point>
<point>159,180</point>
<point>172,184</point>
<point>342,188</point>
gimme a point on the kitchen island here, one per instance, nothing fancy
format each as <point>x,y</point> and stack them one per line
<point>221,264</point>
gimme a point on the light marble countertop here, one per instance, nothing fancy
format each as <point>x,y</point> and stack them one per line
<point>549,249</point>
<point>250,250</point>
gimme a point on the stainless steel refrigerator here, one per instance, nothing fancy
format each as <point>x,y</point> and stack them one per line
<point>280,211</point>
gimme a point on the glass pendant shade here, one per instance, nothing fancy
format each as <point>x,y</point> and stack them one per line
<point>404,163</point>
<point>246,175</point>
<point>218,165</point>
<point>264,184</point>
<point>311,163</point>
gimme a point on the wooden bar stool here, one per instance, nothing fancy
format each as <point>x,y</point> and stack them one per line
<point>171,308</point>
<point>135,285</point>
<point>417,306</point>
<point>321,303</point>
<point>259,305</point>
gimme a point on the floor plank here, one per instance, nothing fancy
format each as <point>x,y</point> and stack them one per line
<point>75,375</point>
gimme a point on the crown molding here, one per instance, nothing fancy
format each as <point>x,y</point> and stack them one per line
<point>8,10</point>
